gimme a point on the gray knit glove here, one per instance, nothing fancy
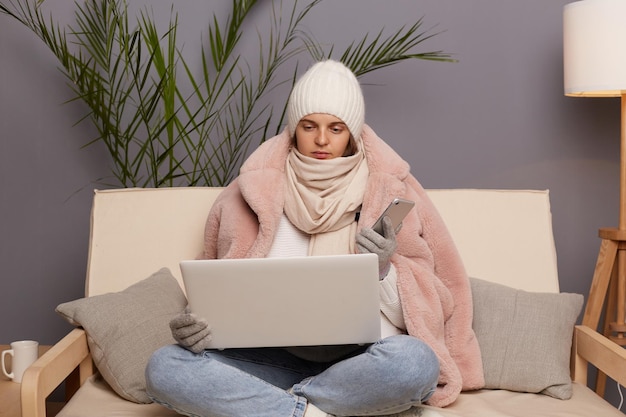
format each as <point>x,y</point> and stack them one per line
<point>190,331</point>
<point>369,241</point>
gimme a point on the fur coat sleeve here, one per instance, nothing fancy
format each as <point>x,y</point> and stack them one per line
<point>432,283</point>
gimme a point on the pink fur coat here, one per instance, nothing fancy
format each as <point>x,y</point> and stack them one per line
<point>432,283</point>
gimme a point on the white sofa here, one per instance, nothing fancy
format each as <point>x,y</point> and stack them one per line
<point>504,236</point>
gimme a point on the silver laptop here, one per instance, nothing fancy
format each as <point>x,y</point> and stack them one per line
<point>291,301</point>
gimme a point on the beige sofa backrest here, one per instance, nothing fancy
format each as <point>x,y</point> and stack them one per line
<point>503,236</point>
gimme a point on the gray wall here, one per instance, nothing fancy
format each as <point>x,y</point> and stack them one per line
<point>496,119</point>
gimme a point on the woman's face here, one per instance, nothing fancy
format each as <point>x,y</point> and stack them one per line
<point>322,136</point>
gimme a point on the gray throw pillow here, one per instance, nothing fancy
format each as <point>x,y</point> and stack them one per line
<point>525,338</point>
<point>125,328</point>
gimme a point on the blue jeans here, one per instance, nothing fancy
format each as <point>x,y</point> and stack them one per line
<point>386,377</point>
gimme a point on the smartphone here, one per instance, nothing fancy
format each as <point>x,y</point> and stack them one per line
<point>397,211</point>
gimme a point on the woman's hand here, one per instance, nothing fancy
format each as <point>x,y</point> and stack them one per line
<point>190,331</point>
<point>369,241</point>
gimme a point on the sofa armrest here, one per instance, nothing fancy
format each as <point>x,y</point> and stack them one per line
<point>66,359</point>
<point>590,347</point>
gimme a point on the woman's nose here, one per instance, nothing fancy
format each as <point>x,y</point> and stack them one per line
<point>321,138</point>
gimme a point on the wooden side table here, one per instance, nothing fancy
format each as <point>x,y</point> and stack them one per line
<point>10,392</point>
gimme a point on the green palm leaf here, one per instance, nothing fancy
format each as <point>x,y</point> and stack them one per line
<point>130,76</point>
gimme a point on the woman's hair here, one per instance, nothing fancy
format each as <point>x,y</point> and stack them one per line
<point>352,147</point>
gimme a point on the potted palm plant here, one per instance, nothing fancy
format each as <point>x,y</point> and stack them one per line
<point>165,124</point>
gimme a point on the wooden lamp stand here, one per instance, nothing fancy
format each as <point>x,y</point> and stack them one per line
<point>609,278</point>
<point>594,65</point>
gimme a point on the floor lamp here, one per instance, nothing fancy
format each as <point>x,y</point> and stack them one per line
<point>594,62</point>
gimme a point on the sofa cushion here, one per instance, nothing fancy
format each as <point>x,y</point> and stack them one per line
<point>525,338</point>
<point>96,399</point>
<point>125,328</point>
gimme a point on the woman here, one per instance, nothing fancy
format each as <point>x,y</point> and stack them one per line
<point>316,189</point>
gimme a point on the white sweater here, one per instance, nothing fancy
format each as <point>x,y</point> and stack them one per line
<point>290,241</point>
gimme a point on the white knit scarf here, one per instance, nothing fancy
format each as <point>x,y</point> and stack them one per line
<point>322,198</point>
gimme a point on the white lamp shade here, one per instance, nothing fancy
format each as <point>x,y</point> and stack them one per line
<point>594,48</point>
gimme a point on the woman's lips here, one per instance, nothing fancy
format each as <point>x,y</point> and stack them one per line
<point>321,155</point>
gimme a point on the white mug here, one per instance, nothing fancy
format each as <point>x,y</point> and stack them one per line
<point>24,353</point>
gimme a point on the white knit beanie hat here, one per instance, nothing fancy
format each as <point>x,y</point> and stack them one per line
<point>327,87</point>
